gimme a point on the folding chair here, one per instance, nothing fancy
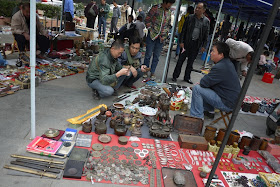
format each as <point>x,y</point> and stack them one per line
<point>224,115</point>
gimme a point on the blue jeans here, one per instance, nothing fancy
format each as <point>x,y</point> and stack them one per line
<point>128,80</point>
<point>205,99</point>
<point>178,45</point>
<point>152,47</point>
<point>101,21</point>
<point>103,90</point>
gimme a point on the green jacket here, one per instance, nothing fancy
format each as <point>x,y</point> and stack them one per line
<point>106,8</point>
<point>103,68</point>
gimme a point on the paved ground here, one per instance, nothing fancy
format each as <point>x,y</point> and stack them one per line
<point>64,98</point>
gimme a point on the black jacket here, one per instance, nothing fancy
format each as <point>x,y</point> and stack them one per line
<point>224,80</point>
<point>187,30</point>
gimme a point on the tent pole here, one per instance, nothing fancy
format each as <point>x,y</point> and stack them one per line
<point>32,64</point>
<point>61,15</point>
<point>236,23</point>
<point>258,51</point>
<point>132,8</point>
<point>213,34</point>
<point>167,61</point>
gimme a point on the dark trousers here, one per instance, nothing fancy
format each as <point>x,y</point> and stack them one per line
<point>191,53</point>
<point>91,22</point>
<point>114,23</point>
<point>42,41</point>
<point>68,17</point>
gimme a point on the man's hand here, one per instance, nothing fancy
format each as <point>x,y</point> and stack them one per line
<point>133,71</point>
<point>144,68</point>
<point>48,36</point>
<point>182,45</point>
<point>26,36</point>
<point>202,49</point>
<point>123,71</point>
<point>244,73</point>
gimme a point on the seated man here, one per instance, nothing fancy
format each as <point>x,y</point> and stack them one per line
<point>218,89</point>
<point>127,30</point>
<point>21,31</point>
<point>131,58</point>
<point>104,71</point>
<point>240,52</point>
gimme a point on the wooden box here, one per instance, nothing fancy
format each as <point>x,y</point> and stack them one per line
<point>188,125</point>
<point>192,142</point>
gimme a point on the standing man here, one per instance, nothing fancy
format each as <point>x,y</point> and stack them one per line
<point>241,55</point>
<point>157,22</point>
<point>69,10</point>
<point>115,17</point>
<point>193,36</point>
<point>103,10</point>
<point>140,26</point>
<point>141,13</point>
<point>91,12</point>
<point>104,71</point>
<point>131,57</point>
<point>218,89</point>
<point>123,13</point>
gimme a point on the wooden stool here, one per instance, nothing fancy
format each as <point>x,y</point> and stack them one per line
<point>224,115</point>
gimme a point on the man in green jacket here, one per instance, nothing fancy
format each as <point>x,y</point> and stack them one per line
<point>104,9</point>
<point>104,71</point>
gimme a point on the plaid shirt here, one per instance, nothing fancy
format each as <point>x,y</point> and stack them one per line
<point>157,22</point>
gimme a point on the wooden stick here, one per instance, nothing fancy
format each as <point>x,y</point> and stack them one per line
<point>38,159</point>
<point>45,154</point>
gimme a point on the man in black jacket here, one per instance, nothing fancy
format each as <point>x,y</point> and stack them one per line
<point>193,36</point>
<point>91,12</point>
<point>218,89</point>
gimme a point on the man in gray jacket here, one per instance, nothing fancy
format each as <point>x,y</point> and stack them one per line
<point>115,17</point>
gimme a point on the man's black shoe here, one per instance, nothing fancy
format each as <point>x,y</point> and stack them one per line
<point>95,94</point>
<point>174,79</point>
<point>189,81</point>
<point>209,115</point>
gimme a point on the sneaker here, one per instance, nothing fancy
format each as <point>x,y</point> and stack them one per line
<point>153,77</point>
<point>145,75</point>
<point>210,115</point>
<point>95,94</point>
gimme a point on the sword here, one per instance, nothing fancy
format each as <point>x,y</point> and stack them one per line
<point>34,166</point>
<point>40,163</point>
<point>38,159</point>
<point>35,172</point>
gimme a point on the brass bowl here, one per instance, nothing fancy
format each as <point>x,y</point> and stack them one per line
<point>51,133</point>
<point>118,105</point>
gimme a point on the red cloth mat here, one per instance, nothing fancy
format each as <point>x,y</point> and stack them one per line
<point>195,170</point>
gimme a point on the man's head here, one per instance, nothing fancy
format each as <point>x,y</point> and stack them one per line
<point>134,45</point>
<point>140,9</point>
<point>25,8</point>
<point>190,10</point>
<point>115,4</point>
<point>130,18</point>
<point>266,53</point>
<point>166,4</point>
<point>117,48</point>
<point>103,2</point>
<point>125,3</point>
<point>220,50</point>
<point>200,9</point>
<point>249,57</point>
<point>140,18</point>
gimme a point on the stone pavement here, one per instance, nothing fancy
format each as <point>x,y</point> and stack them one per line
<point>60,99</point>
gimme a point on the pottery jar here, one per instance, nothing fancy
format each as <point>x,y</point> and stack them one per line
<point>210,133</point>
<point>233,137</point>
<point>255,143</point>
<point>245,141</point>
<point>264,144</point>
<point>221,135</point>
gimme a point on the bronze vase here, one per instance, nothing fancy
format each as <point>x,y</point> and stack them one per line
<point>264,144</point>
<point>233,137</point>
<point>255,143</point>
<point>221,135</point>
<point>245,141</point>
<point>210,133</point>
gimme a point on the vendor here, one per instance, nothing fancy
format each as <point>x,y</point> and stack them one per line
<point>131,58</point>
<point>219,89</point>
<point>20,28</point>
<point>240,52</point>
<point>104,71</point>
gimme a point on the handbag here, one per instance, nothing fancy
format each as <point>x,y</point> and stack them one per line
<point>91,11</point>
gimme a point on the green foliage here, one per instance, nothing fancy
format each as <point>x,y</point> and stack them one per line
<point>6,7</point>
<point>50,11</point>
<point>79,6</point>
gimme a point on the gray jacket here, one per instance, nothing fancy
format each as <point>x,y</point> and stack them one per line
<point>116,12</point>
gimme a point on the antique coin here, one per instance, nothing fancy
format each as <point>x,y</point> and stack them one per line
<point>104,152</point>
<point>130,149</point>
<point>112,152</point>
<point>138,162</point>
<point>104,157</point>
<point>115,148</point>
<point>97,147</point>
<point>96,154</point>
<point>134,144</point>
<point>104,138</point>
<point>122,148</point>
<point>119,153</point>
<point>116,156</point>
<point>126,153</point>
<point>107,147</point>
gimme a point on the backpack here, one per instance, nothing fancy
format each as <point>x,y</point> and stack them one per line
<point>91,11</point>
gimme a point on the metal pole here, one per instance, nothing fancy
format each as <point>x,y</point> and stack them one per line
<point>258,51</point>
<point>61,15</point>
<point>236,22</point>
<point>132,7</point>
<point>166,66</point>
<point>32,64</point>
<point>213,34</point>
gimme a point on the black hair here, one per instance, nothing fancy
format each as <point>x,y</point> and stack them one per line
<point>134,40</point>
<point>140,18</point>
<point>190,10</point>
<point>222,48</point>
<point>251,54</point>
<point>131,16</point>
<point>25,5</point>
<point>204,5</point>
<point>168,1</point>
<point>266,53</point>
<point>117,44</point>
